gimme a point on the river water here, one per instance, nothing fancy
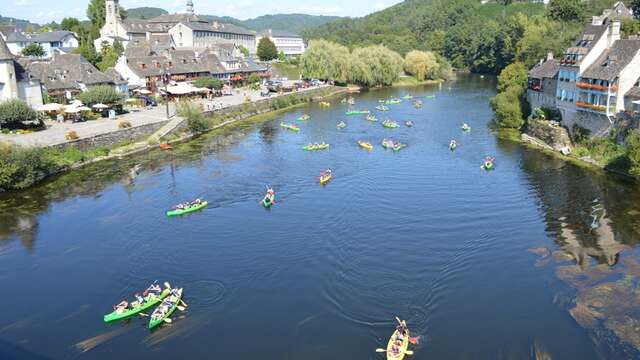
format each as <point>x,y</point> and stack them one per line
<point>534,259</point>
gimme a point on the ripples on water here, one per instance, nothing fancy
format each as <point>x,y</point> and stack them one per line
<point>423,234</point>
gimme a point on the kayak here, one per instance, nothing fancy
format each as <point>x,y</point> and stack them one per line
<point>356,112</point>
<point>390,124</point>
<point>178,212</point>
<point>365,145</point>
<point>382,108</point>
<point>290,127</point>
<point>409,123</point>
<point>466,128</point>
<point>149,301</point>
<point>388,144</point>
<point>392,102</point>
<point>418,104</point>
<point>372,118</point>
<point>402,348</point>
<point>315,148</point>
<point>324,179</point>
<point>408,97</point>
<point>342,125</point>
<point>453,146</point>
<point>304,117</point>
<point>166,308</point>
<point>399,147</point>
<point>430,97</point>
<point>268,201</point>
<point>488,166</point>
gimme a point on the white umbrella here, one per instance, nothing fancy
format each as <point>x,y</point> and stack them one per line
<point>50,107</point>
<point>74,110</point>
<point>145,92</point>
<point>83,108</point>
<point>101,106</point>
<point>76,103</point>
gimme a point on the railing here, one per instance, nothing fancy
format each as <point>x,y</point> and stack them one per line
<point>587,86</point>
<point>567,62</point>
<point>586,105</point>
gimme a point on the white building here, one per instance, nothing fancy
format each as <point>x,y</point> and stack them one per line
<point>187,30</point>
<point>53,41</point>
<point>15,82</point>
<point>286,42</point>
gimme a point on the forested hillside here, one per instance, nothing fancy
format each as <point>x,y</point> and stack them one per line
<point>481,38</point>
<point>145,12</point>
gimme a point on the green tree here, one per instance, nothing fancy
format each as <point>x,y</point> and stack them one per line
<point>100,94</point>
<point>14,112</point>
<point>377,65</point>
<point>325,60</point>
<point>96,13</point>
<point>630,27</point>
<point>281,56</point>
<point>567,10</point>
<point>33,49</point>
<point>507,109</point>
<point>635,6</point>
<point>244,51</point>
<point>422,65</point>
<point>110,55</point>
<point>267,50</point>
<point>633,151</point>
<point>88,52</point>
<point>254,78</point>
<point>209,83</point>
<point>69,24</point>
<point>514,75</point>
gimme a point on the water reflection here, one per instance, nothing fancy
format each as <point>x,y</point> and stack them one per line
<point>591,216</point>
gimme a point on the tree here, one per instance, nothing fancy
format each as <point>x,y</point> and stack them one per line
<point>209,83</point>
<point>633,151</point>
<point>635,6</point>
<point>33,49</point>
<point>110,55</point>
<point>507,109</point>
<point>14,112</point>
<point>514,75</point>
<point>567,10</point>
<point>254,78</point>
<point>244,51</point>
<point>267,50</point>
<point>281,56</point>
<point>325,60</point>
<point>374,66</point>
<point>100,94</point>
<point>421,64</point>
<point>96,13</point>
<point>69,24</point>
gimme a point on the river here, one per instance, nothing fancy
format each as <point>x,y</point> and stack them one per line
<point>537,258</point>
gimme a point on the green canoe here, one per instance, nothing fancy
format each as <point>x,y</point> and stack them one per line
<point>399,147</point>
<point>390,125</point>
<point>150,301</point>
<point>166,308</point>
<point>357,112</point>
<point>178,212</point>
<point>316,148</point>
<point>290,127</point>
<point>266,202</point>
<point>392,102</point>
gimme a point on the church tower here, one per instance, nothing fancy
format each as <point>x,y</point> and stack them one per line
<point>190,7</point>
<point>112,19</point>
<point>8,81</point>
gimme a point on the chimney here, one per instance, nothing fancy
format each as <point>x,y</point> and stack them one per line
<point>549,55</point>
<point>596,20</point>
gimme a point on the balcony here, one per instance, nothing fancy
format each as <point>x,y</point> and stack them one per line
<point>587,86</point>
<point>585,105</point>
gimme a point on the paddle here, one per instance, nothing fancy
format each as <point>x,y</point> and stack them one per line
<point>381,350</point>
<point>168,320</point>
<point>184,303</point>
<point>181,308</point>
<point>167,285</point>
<point>143,315</point>
<point>408,352</point>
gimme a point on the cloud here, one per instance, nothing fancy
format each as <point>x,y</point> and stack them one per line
<point>23,3</point>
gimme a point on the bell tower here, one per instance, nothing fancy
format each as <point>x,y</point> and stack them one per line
<point>190,7</point>
<point>112,18</point>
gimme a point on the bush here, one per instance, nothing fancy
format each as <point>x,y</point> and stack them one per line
<point>196,121</point>
<point>14,112</point>
<point>209,83</point>
<point>422,65</point>
<point>507,108</point>
<point>100,94</point>
<point>267,50</point>
<point>633,151</point>
<point>515,74</point>
<point>21,168</point>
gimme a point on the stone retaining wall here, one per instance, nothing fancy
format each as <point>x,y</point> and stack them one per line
<point>113,138</point>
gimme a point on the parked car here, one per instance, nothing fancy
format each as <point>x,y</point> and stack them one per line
<point>148,101</point>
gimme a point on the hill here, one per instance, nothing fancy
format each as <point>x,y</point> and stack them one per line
<point>19,23</point>
<point>294,23</point>
<point>145,12</point>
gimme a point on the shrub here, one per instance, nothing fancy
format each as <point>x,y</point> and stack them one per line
<point>21,168</point>
<point>267,50</point>
<point>72,135</point>
<point>422,65</point>
<point>506,106</point>
<point>124,124</point>
<point>209,83</point>
<point>633,151</point>
<point>515,74</point>
<point>196,121</point>
<point>14,112</point>
<point>100,94</point>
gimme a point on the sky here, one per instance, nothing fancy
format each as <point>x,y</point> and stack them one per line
<point>44,11</point>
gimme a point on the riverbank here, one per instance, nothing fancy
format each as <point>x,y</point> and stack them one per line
<point>406,81</point>
<point>21,168</point>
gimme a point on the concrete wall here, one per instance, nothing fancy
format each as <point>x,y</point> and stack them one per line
<point>597,124</point>
<point>113,138</point>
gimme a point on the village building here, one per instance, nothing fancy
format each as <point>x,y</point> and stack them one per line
<point>187,30</point>
<point>52,41</point>
<point>591,82</point>
<point>65,75</point>
<point>291,45</point>
<point>15,81</point>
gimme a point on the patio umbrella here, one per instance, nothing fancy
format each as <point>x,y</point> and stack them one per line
<point>73,110</point>
<point>83,108</point>
<point>50,107</point>
<point>101,106</point>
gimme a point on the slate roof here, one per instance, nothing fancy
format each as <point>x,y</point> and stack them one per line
<point>141,26</point>
<point>51,36</point>
<point>548,69</point>
<point>17,37</point>
<point>67,71</point>
<point>609,65</point>
<point>7,29</point>
<point>115,76</point>
<point>633,93</point>
<point>176,18</point>
<point>5,54</point>
<point>217,27</point>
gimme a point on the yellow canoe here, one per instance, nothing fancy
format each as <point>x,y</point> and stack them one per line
<point>401,349</point>
<point>365,145</point>
<point>325,179</point>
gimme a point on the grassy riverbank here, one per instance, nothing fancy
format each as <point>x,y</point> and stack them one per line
<point>405,81</point>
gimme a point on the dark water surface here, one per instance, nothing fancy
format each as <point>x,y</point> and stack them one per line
<point>522,261</point>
